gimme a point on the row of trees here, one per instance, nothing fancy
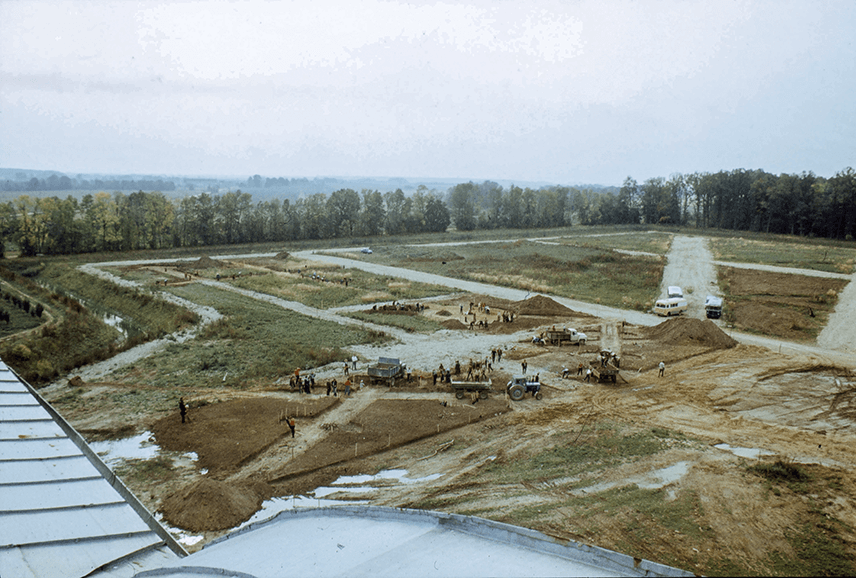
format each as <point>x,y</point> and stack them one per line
<point>804,204</point>
<point>119,222</point>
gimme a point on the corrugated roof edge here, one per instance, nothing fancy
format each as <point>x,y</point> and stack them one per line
<point>105,471</point>
<point>505,533</point>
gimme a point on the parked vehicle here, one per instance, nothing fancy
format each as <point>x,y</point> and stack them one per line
<point>604,371</point>
<point>675,291</point>
<point>671,306</point>
<point>559,336</point>
<point>387,370</point>
<point>713,307</point>
<point>519,386</point>
<point>367,251</point>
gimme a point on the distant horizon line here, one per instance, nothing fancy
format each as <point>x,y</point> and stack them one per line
<point>237,178</point>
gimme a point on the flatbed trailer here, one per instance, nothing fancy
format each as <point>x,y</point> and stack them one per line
<point>461,388</point>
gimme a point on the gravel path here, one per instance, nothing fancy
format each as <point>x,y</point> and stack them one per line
<point>840,330</point>
<point>690,266</point>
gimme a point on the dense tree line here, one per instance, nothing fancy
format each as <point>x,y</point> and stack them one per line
<point>120,222</point>
<point>754,200</point>
<point>743,200</point>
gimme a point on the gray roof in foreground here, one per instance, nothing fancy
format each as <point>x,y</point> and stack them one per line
<point>62,511</point>
<point>378,541</point>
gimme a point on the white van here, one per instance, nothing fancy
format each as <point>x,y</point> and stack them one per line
<point>671,306</point>
<point>675,291</point>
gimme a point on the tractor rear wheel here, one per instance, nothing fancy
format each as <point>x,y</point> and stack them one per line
<point>516,392</point>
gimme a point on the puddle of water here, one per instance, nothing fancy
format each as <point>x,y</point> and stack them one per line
<point>139,447</point>
<point>400,475</point>
<point>659,478</point>
<point>181,536</point>
<point>650,481</point>
<point>323,491</point>
<point>751,453</point>
<point>134,448</point>
<point>364,479</point>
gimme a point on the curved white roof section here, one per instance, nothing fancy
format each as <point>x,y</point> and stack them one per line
<point>377,541</point>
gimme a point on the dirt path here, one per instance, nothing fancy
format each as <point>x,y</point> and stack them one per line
<point>840,330</point>
<point>690,266</point>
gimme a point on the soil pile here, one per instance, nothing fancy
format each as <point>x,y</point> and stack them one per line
<point>492,302</point>
<point>211,505</point>
<point>687,331</point>
<point>205,262</point>
<point>454,324</point>
<point>540,305</point>
<point>444,313</point>
<point>283,255</point>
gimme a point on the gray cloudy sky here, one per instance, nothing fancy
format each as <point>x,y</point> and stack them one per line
<point>564,92</point>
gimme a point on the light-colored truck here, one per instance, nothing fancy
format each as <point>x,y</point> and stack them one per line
<point>387,370</point>
<point>565,335</point>
<point>713,307</point>
<point>670,306</point>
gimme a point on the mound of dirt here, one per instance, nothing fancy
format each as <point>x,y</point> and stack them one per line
<point>283,255</point>
<point>454,324</point>
<point>205,262</point>
<point>540,305</point>
<point>688,331</point>
<point>492,302</point>
<point>444,313</point>
<point>210,505</point>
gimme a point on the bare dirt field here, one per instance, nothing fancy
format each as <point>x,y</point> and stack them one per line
<point>788,306</point>
<point>738,460</point>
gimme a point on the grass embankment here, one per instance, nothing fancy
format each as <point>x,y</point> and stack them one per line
<point>588,274</point>
<point>76,336</point>
<point>817,254</point>
<point>656,242</point>
<point>255,344</point>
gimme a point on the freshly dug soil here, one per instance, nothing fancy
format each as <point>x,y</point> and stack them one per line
<point>227,435</point>
<point>205,262</point>
<point>688,331</point>
<point>544,306</point>
<point>210,505</point>
<point>387,424</point>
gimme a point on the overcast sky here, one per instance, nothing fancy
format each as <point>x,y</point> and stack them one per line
<point>563,92</point>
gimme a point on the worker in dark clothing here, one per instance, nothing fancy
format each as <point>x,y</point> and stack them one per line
<point>291,425</point>
<point>182,409</point>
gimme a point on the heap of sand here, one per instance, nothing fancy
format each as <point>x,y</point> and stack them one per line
<point>204,262</point>
<point>688,331</point>
<point>210,505</point>
<point>543,306</point>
